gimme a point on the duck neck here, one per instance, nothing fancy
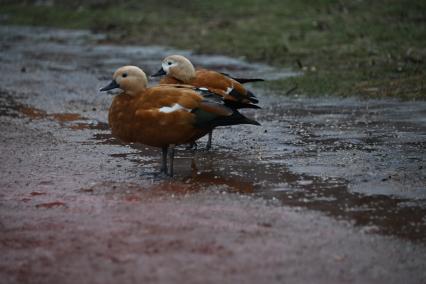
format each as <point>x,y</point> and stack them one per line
<point>134,91</point>
<point>185,74</point>
<point>134,87</point>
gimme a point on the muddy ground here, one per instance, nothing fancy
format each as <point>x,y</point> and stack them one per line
<point>327,190</point>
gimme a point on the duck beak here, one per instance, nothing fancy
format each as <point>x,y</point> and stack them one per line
<point>160,72</point>
<point>112,85</point>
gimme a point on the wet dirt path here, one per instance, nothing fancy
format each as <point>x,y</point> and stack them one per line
<point>331,189</point>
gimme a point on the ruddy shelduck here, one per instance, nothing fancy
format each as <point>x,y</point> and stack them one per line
<point>179,70</point>
<point>165,115</point>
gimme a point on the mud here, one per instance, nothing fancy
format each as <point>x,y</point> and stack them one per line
<point>327,190</point>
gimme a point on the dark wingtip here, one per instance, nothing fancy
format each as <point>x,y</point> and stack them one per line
<point>253,106</point>
<point>248,80</point>
<point>254,122</point>
<point>246,120</point>
<point>253,100</point>
<point>243,80</point>
<point>241,97</point>
<point>252,97</point>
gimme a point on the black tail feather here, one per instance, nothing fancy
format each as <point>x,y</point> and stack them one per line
<point>248,80</point>
<point>234,119</point>
<point>250,96</point>
<point>243,80</point>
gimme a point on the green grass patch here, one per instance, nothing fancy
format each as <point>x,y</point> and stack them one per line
<point>354,47</point>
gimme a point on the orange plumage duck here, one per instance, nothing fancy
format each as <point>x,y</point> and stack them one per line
<point>179,70</point>
<point>165,115</point>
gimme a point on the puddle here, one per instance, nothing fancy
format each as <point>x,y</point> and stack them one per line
<point>361,161</point>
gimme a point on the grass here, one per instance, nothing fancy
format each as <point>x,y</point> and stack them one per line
<point>354,47</point>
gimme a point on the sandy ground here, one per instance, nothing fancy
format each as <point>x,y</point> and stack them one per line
<point>326,191</point>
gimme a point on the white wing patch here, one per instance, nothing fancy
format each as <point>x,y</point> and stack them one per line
<point>175,107</point>
<point>229,90</point>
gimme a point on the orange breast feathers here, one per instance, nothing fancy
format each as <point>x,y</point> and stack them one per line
<point>158,117</point>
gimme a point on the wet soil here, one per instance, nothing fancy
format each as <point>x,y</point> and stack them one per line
<point>327,190</point>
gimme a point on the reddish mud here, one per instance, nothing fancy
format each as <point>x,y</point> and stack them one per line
<point>327,190</point>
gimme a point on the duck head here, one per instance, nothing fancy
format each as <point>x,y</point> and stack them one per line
<point>131,79</point>
<point>178,67</point>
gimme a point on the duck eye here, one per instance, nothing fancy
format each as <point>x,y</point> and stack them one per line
<point>124,75</point>
<point>169,63</point>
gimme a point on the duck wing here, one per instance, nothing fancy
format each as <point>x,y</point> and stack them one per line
<point>214,111</point>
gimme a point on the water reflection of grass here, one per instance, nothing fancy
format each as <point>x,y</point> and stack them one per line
<point>371,48</point>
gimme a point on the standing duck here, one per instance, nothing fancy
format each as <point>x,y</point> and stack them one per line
<point>179,70</point>
<point>165,115</point>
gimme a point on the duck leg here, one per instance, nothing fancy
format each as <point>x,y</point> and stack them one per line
<point>164,151</point>
<point>209,141</point>
<point>171,157</point>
